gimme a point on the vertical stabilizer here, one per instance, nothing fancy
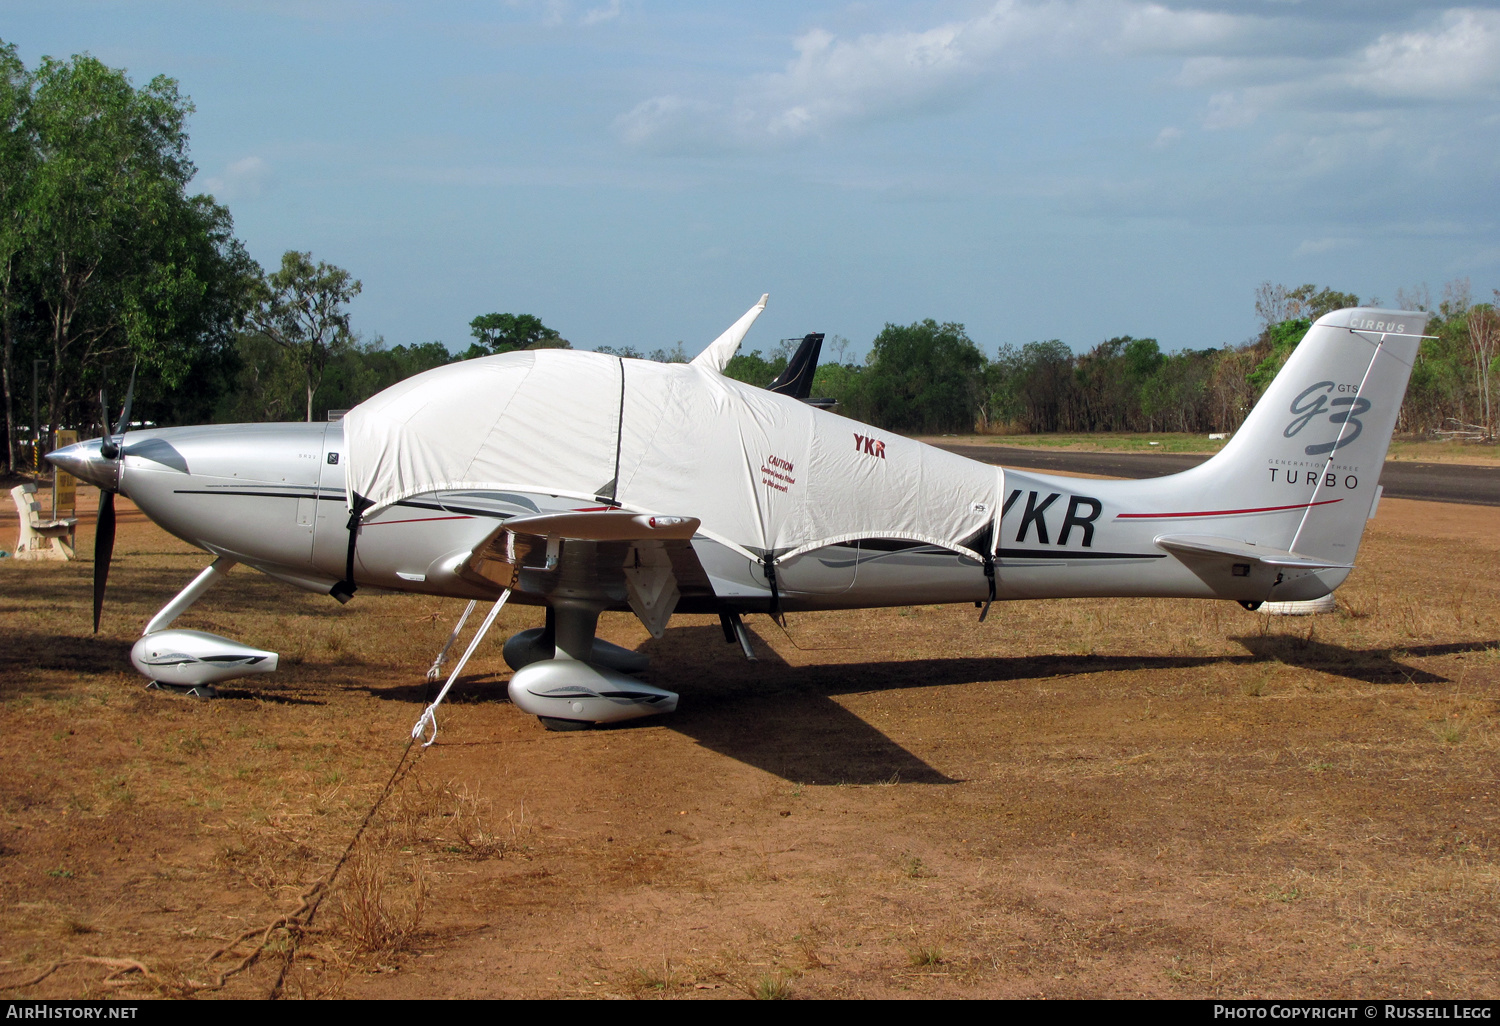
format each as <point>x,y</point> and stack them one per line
<point>1310,454</point>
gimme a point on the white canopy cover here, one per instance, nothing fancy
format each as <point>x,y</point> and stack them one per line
<point>766,474</point>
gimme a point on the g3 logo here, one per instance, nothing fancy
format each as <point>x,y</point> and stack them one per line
<point>1310,404</point>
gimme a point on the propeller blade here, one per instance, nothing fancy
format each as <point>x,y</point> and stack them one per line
<point>107,447</point>
<point>104,549</point>
<point>125,413</point>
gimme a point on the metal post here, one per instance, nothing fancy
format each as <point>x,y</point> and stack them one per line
<point>36,419</point>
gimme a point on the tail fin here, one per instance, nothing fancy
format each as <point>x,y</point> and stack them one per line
<point>1316,441</point>
<point>796,380</point>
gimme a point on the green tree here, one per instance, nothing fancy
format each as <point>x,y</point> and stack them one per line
<point>836,381</point>
<point>1280,340</point>
<point>924,376</point>
<point>369,367</point>
<point>1277,303</point>
<point>505,333</point>
<point>677,354</point>
<point>301,307</point>
<point>17,160</point>
<point>267,383</point>
<point>624,352</point>
<point>1045,371</point>
<point>125,266</point>
<point>754,369</point>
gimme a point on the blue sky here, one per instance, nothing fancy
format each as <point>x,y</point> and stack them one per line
<point>638,173</point>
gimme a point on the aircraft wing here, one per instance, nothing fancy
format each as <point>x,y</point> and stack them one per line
<point>613,557</point>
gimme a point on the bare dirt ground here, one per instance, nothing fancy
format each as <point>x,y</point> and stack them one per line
<point>1077,798</point>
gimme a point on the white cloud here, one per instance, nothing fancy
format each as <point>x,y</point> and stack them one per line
<point>1459,58</point>
<point>1152,28</point>
<point>832,81</point>
<point>667,120</point>
<point>1247,64</point>
<point>1455,59</point>
<point>246,178</point>
<point>1167,136</point>
<point>836,81</point>
<point>608,12</point>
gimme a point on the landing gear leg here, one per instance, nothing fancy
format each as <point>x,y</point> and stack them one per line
<point>538,643</point>
<point>735,630</point>
<point>211,575</point>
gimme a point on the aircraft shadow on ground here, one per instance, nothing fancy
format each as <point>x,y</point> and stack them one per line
<point>1371,665</point>
<point>782,718</point>
<point>68,586</point>
<point>70,653</point>
<point>260,695</point>
<point>82,654</point>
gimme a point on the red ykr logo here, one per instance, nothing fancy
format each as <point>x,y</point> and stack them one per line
<point>870,446</point>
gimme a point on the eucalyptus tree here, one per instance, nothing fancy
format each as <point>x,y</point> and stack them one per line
<point>17,157</point>
<point>124,265</point>
<point>303,307</point>
<point>1483,325</point>
<point>507,332</point>
<point>924,376</point>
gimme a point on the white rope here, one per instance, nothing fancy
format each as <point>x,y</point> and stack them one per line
<point>435,671</point>
<point>429,715</point>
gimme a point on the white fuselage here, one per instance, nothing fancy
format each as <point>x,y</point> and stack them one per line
<point>584,483</point>
<point>273,496</point>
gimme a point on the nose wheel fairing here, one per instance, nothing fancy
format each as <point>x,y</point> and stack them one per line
<point>191,662</point>
<point>192,658</point>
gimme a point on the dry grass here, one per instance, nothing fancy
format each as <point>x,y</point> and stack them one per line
<point>773,987</point>
<point>1081,798</point>
<point>379,906</point>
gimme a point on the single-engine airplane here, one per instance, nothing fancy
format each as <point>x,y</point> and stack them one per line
<point>584,482</point>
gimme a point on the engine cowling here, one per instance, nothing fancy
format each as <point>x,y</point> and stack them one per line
<point>189,658</point>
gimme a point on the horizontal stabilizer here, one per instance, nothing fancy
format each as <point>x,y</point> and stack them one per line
<point>1242,551</point>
